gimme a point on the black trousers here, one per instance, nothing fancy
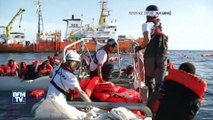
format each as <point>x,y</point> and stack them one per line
<point>106,69</point>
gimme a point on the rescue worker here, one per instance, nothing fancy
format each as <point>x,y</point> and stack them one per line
<point>155,56</point>
<point>100,64</point>
<point>62,85</point>
<point>181,94</point>
<point>64,80</point>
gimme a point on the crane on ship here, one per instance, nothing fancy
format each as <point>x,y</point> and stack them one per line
<point>40,20</point>
<point>8,28</point>
<point>104,13</point>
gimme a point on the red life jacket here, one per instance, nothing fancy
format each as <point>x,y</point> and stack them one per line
<point>11,70</point>
<point>36,64</point>
<point>190,81</point>
<point>47,70</point>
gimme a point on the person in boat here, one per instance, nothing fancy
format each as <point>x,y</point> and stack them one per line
<point>11,69</point>
<point>32,70</point>
<point>23,70</point>
<point>128,70</point>
<point>44,69</point>
<point>181,94</point>
<point>56,59</point>
<point>169,65</point>
<point>64,81</point>
<point>50,59</point>
<point>100,64</point>
<point>155,55</point>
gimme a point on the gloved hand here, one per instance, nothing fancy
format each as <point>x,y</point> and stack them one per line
<point>137,48</point>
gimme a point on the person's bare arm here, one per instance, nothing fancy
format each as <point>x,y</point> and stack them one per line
<point>147,38</point>
<point>82,94</point>
<point>99,71</point>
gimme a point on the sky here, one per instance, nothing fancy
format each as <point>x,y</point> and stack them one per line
<point>189,26</point>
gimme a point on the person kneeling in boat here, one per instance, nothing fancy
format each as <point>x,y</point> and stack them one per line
<point>181,94</point>
<point>100,64</point>
<point>64,82</point>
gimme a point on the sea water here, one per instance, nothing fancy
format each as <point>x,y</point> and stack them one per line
<point>204,69</point>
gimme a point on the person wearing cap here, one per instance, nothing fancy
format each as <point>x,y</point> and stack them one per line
<point>155,55</point>
<point>181,94</point>
<point>64,82</point>
<point>100,64</point>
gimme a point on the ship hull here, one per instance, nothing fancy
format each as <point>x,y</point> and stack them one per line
<point>50,46</point>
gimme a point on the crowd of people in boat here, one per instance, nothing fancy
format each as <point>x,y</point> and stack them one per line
<point>27,71</point>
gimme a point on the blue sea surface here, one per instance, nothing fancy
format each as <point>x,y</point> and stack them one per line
<point>204,70</point>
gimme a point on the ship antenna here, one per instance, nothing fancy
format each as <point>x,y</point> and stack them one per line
<point>104,13</point>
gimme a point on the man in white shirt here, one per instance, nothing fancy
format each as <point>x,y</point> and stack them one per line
<point>99,65</point>
<point>155,55</point>
<point>64,80</point>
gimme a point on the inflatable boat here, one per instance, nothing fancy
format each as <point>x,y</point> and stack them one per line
<point>15,83</point>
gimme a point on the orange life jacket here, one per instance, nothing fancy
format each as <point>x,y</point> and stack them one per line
<point>36,64</point>
<point>11,70</point>
<point>47,70</point>
<point>190,81</point>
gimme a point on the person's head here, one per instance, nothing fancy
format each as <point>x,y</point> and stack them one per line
<point>73,60</point>
<point>151,12</point>
<point>111,44</point>
<point>11,62</point>
<point>168,60</point>
<point>187,67</point>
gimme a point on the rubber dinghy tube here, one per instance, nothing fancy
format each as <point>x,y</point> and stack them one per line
<point>110,105</point>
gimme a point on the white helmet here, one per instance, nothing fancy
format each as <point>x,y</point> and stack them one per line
<point>73,56</point>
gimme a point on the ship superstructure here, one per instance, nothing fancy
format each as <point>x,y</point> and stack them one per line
<point>103,31</point>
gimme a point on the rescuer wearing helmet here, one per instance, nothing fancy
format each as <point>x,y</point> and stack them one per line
<point>100,65</point>
<point>64,81</point>
<point>155,55</point>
